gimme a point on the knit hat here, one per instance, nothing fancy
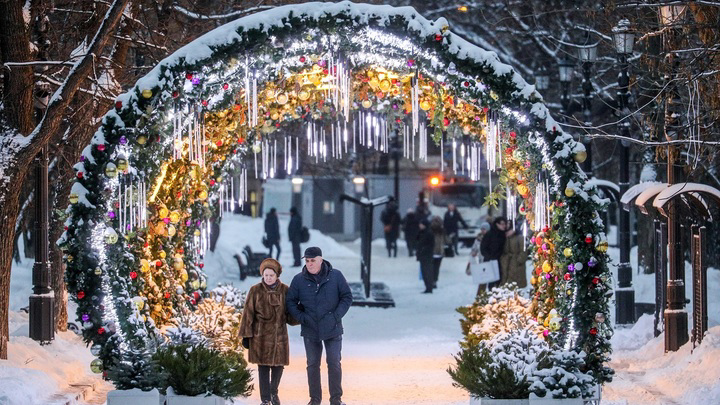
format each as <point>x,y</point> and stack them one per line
<point>485,226</point>
<point>271,264</point>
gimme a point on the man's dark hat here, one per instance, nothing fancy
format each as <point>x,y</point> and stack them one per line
<point>312,251</point>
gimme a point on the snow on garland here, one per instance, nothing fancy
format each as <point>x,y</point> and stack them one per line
<point>160,166</point>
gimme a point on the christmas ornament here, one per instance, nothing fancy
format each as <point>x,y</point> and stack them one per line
<point>580,156</point>
<point>546,266</point>
<point>96,366</point>
<point>569,192</point>
<point>147,93</point>
<point>73,198</point>
<point>111,237</point>
<point>95,350</point>
<point>599,317</point>
<point>122,164</point>
<point>366,103</point>
<point>98,271</point>
<point>567,252</point>
<point>602,246</point>
<point>111,170</point>
<point>142,139</point>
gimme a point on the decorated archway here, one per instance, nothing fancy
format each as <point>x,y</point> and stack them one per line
<point>228,104</point>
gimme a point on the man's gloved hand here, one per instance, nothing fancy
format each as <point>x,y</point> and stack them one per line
<point>246,342</point>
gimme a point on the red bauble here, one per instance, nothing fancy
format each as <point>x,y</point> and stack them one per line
<point>466,84</point>
<point>175,94</point>
<point>241,140</point>
<point>179,194</point>
<point>204,102</point>
<point>218,143</point>
<point>596,280</point>
<point>101,331</point>
<point>189,76</point>
<point>226,86</point>
<point>589,239</point>
<point>133,275</point>
<point>593,331</point>
<point>302,59</point>
<point>513,135</point>
<point>167,295</point>
<point>66,227</point>
<point>192,301</point>
<point>80,175</point>
<point>567,277</point>
<point>80,295</point>
<point>196,295</point>
<point>201,265</point>
<point>101,147</point>
<point>325,71</point>
<point>446,121</point>
<point>212,182</point>
<point>118,104</point>
<point>158,263</point>
<point>438,37</point>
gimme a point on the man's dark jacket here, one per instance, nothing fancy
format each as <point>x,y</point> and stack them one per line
<point>319,304</point>
<point>450,221</point>
<point>425,244</point>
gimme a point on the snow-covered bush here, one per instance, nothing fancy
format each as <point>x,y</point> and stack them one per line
<point>501,367</point>
<point>230,294</point>
<point>559,375</point>
<point>500,310</point>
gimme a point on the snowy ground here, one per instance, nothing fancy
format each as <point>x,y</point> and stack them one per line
<point>390,356</point>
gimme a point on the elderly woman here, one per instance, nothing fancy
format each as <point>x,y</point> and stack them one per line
<point>264,330</point>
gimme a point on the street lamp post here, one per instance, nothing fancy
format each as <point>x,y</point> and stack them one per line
<point>624,40</point>
<point>542,79</point>
<point>587,55</point>
<point>565,68</point>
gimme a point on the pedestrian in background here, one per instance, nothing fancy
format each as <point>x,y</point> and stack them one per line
<point>425,248</point>
<point>411,227</point>
<point>513,259</point>
<point>295,235</point>
<point>493,244</point>
<point>391,227</point>
<point>272,232</point>
<point>440,241</point>
<point>264,330</point>
<point>451,223</point>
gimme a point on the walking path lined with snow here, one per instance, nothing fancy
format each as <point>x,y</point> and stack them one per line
<point>390,356</point>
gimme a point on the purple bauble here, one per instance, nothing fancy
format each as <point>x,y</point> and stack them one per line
<point>196,80</point>
<point>85,317</point>
<point>111,214</point>
<point>123,140</point>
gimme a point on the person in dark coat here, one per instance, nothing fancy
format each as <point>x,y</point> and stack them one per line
<point>450,222</point>
<point>264,330</point>
<point>441,240</point>
<point>272,231</point>
<point>411,227</point>
<point>295,235</point>
<point>319,297</point>
<point>425,248</point>
<point>391,226</point>
<point>493,244</point>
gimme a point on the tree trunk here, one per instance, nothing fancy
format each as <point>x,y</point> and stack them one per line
<point>17,81</point>
<point>8,211</point>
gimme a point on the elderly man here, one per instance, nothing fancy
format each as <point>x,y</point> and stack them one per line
<point>319,297</point>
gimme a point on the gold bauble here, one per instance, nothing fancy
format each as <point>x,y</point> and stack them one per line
<point>281,98</point>
<point>569,192</point>
<point>567,252</point>
<point>270,93</point>
<point>147,93</point>
<point>580,156</point>
<point>163,212</point>
<point>74,198</point>
<point>140,304</point>
<point>163,254</point>
<point>178,265</point>
<point>385,85</point>
<point>275,116</point>
<point>304,95</point>
<point>366,103</point>
<point>122,164</point>
<point>142,139</point>
<point>195,284</point>
<point>522,189</point>
<point>425,105</point>
<point>547,267</point>
<point>96,366</point>
<point>602,246</point>
<point>197,232</point>
<point>144,265</point>
<point>175,217</point>
<point>184,276</point>
<point>203,195</point>
<point>171,230</point>
<point>98,271</point>
<point>158,308</point>
<point>111,170</point>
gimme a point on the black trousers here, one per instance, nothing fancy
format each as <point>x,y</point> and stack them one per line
<point>391,245</point>
<point>296,252</point>
<point>276,244</point>
<point>269,379</point>
<point>428,274</point>
<point>436,268</point>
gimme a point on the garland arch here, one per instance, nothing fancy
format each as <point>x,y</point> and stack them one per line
<point>157,168</point>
